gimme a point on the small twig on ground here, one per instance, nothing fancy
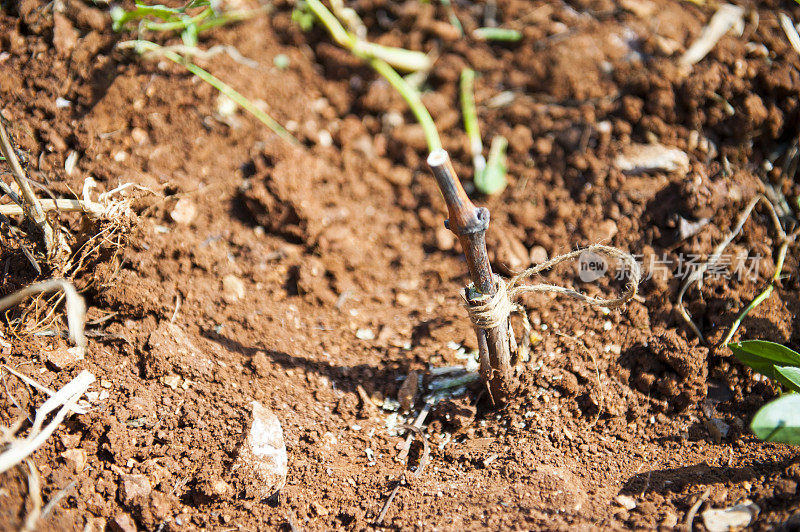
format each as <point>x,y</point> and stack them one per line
<point>415,430</point>
<point>790,31</point>
<point>687,523</point>
<point>582,345</point>
<point>52,503</point>
<point>697,275</point>
<point>34,208</point>
<point>418,424</point>
<point>726,18</point>
<point>44,389</point>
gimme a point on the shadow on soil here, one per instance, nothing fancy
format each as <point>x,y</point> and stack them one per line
<point>674,480</point>
<point>345,378</point>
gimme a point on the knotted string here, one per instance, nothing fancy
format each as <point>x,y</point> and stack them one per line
<point>494,310</point>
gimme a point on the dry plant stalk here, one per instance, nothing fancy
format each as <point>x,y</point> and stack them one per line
<point>76,308</point>
<point>33,209</point>
<point>18,449</point>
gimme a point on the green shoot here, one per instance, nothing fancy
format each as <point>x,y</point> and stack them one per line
<point>769,359</point>
<point>451,16</point>
<point>778,420</point>
<point>303,17</point>
<point>497,34</point>
<point>143,47</point>
<point>381,64</point>
<point>399,58</point>
<point>471,121</point>
<point>159,18</point>
<point>764,294</point>
<point>490,176</point>
<point>493,179</point>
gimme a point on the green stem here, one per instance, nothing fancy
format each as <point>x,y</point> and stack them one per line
<point>470,113</point>
<point>409,94</point>
<point>224,88</point>
<point>179,24</point>
<point>762,296</point>
<point>496,34</point>
<point>412,98</point>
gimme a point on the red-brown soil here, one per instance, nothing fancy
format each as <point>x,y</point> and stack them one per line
<point>332,238</point>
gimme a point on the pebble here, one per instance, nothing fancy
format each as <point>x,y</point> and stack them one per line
<point>133,488</point>
<point>538,255</point>
<point>75,459</point>
<point>63,357</point>
<point>644,158</point>
<point>734,517</point>
<point>445,239</point>
<point>232,288</point>
<point>139,136</point>
<point>606,230</point>
<point>365,334</point>
<point>262,463</point>
<point>123,523</point>
<point>184,211</point>
<point>626,501</point>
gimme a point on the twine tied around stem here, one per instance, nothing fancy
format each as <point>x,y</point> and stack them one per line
<point>495,310</point>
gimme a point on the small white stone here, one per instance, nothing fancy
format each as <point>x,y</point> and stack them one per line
<point>184,211</point>
<point>733,518</point>
<point>626,501</point>
<point>365,334</point>
<point>225,106</point>
<point>71,162</point>
<point>262,463</point>
<point>325,138</point>
<point>233,288</point>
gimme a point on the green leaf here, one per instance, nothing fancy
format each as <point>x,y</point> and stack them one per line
<point>779,420</point>
<point>763,356</point>
<point>789,377</point>
<point>493,178</point>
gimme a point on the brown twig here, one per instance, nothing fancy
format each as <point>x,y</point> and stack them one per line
<point>469,224</point>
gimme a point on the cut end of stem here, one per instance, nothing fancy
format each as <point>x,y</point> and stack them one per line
<point>438,157</point>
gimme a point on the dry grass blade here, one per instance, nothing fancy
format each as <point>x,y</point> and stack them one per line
<point>30,382</point>
<point>790,31</point>
<point>35,494</point>
<point>726,18</point>
<point>63,400</point>
<point>76,309</point>
<point>34,208</point>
